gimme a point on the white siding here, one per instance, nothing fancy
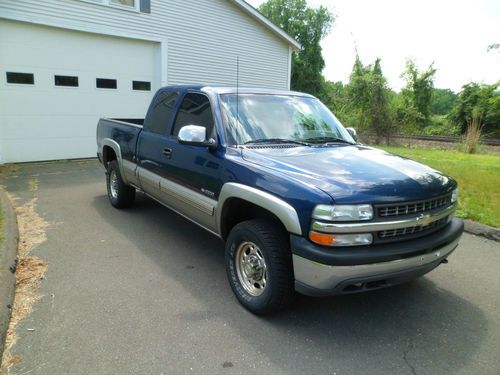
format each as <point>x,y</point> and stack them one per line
<point>203,37</point>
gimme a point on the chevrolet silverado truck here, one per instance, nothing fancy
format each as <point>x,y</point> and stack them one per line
<point>300,204</point>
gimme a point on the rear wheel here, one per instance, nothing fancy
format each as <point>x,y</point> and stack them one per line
<point>120,194</point>
<point>259,266</point>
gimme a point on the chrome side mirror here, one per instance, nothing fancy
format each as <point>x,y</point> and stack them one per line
<point>195,135</point>
<point>353,133</point>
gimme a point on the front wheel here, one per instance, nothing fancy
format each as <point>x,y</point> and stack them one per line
<point>259,266</point>
<point>120,194</point>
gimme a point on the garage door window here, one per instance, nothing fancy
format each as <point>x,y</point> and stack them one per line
<point>20,78</point>
<point>141,86</point>
<point>67,81</point>
<point>105,83</point>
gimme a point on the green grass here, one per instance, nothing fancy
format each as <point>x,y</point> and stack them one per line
<point>478,177</point>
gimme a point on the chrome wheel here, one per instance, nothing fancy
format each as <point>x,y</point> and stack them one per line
<point>251,268</point>
<point>113,184</point>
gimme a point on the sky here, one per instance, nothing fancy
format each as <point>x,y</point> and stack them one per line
<point>454,34</point>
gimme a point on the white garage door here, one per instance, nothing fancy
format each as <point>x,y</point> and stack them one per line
<point>55,84</point>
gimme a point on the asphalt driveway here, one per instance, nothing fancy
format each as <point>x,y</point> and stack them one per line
<point>144,291</point>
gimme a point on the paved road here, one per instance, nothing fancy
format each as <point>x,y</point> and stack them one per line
<point>143,291</point>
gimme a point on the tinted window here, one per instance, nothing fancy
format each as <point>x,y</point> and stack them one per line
<point>69,81</point>
<point>141,85</point>
<point>20,78</point>
<point>195,110</point>
<point>158,119</point>
<point>105,83</point>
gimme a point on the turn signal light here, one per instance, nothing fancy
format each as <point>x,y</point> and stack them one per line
<point>355,239</point>
<point>322,238</point>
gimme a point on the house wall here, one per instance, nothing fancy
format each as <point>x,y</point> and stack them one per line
<point>201,39</point>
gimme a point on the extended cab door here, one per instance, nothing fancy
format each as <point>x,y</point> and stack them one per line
<point>152,141</point>
<point>189,176</point>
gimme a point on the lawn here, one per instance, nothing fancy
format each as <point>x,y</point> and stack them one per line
<point>478,177</point>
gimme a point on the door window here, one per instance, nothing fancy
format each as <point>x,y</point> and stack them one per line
<point>195,110</point>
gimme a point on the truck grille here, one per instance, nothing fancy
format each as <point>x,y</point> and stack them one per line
<point>409,231</point>
<point>414,207</point>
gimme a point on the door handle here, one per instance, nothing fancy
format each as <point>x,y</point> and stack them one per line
<point>167,152</point>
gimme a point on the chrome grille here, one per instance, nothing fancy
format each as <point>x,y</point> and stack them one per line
<point>414,207</point>
<point>391,233</point>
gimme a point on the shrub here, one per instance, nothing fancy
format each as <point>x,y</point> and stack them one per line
<point>473,134</point>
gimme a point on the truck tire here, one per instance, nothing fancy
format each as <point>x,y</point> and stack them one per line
<point>120,194</point>
<point>259,266</point>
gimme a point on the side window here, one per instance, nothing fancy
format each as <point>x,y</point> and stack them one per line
<point>161,112</point>
<point>195,110</point>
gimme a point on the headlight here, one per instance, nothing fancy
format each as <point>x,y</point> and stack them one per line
<point>343,212</point>
<point>454,196</point>
<point>325,239</point>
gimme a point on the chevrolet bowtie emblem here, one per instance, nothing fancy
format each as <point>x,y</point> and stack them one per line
<point>424,219</point>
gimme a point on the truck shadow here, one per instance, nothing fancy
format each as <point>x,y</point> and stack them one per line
<point>414,323</point>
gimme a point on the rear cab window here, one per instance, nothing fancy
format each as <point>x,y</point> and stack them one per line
<point>162,110</point>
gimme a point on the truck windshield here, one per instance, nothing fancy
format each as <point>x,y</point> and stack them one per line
<point>260,118</point>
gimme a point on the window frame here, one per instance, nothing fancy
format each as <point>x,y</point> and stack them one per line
<point>141,91</point>
<point>65,86</point>
<point>19,84</point>
<point>108,3</point>
<point>106,88</point>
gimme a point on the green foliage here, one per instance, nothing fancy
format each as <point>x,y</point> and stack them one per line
<point>440,125</point>
<point>443,101</point>
<point>309,26</point>
<point>486,98</point>
<point>417,94</point>
<point>369,99</point>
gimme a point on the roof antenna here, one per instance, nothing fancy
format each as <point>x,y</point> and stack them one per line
<point>237,90</point>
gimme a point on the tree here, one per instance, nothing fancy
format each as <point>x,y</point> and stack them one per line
<point>309,26</point>
<point>443,101</point>
<point>369,97</point>
<point>380,120</point>
<point>482,98</point>
<point>417,94</point>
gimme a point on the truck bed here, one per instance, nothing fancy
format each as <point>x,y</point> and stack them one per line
<point>124,131</point>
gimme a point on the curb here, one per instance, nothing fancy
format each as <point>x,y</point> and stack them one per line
<point>482,230</point>
<point>8,261</point>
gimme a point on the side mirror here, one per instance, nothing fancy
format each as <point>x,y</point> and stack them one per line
<point>353,133</point>
<point>195,135</point>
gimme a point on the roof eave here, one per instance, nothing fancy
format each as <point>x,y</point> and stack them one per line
<point>260,17</point>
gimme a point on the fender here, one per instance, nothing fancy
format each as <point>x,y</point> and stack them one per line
<point>278,207</point>
<point>118,152</point>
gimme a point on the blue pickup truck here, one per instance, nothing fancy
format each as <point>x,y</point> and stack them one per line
<point>300,204</point>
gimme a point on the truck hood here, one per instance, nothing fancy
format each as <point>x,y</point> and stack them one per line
<point>354,174</point>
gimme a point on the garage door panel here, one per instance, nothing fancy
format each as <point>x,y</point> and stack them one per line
<point>38,117</point>
<point>27,127</point>
<point>68,102</point>
<point>29,149</point>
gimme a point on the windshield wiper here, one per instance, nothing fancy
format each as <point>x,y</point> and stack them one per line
<point>326,140</point>
<point>276,140</point>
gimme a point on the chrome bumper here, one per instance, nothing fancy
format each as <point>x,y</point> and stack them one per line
<point>314,278</point>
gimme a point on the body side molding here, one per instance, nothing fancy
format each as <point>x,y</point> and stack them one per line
<point>278,207</point>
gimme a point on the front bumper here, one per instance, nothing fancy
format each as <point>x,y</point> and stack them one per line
<point>328,271</point>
